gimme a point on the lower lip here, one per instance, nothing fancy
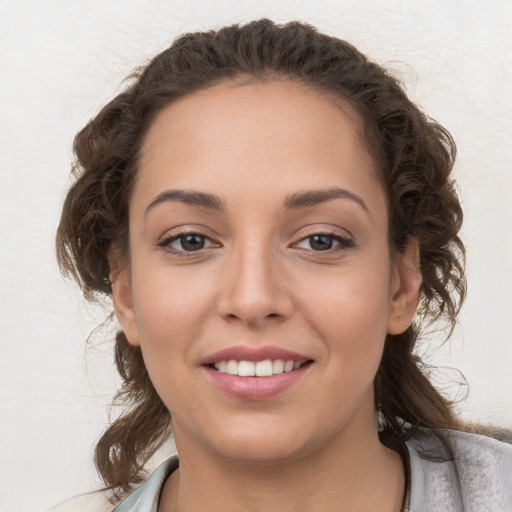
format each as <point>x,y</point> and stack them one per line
<point>255,388</point>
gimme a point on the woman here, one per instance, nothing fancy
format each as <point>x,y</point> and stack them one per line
<point>268,209</point>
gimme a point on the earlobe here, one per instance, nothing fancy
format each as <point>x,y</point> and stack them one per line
<point>123,302</point>
<point>405,289</point>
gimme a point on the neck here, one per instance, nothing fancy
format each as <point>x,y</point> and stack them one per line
<point>355,473</point>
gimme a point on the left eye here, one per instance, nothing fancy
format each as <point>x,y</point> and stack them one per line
<point>322,242</point>
<point>188,243</point>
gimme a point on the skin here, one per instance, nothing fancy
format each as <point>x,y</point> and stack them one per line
<point>260,280</point>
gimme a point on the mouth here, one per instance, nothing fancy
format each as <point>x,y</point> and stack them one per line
<point>263,368</point>
<point>256,373</point>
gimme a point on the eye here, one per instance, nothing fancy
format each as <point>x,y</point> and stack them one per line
<point>187,242</point>
<point>324,242</point>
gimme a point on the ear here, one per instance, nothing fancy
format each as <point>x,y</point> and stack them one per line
<point>123,298</point>
<point>405,288</point>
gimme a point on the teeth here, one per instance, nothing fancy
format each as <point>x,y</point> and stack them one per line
<point>278,366</point>
<point>264,368</point>
<point>246,369</point>
<point>232,368</point>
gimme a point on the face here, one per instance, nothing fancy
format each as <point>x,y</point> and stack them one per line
<point>260,285</point>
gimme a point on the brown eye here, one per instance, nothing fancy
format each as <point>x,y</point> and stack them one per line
<point>324,242</point>
<point>186,242</point>
<point>321,242</point>
<point>191,242</point>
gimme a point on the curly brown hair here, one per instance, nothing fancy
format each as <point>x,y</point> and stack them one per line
<point>414,156</point>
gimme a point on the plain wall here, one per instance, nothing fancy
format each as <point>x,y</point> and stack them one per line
<point>60,61</point>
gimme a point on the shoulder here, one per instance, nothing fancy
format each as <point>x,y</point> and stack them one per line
<point>143,499</point>
<point>459,471</point>
<point>475,448</point>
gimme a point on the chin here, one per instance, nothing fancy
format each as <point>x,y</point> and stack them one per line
<point>262,442</point>
<point>261,452</point>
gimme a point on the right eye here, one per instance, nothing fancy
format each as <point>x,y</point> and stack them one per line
<point>187,242</point>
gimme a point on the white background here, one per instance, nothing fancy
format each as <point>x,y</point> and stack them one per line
<point>60,61</point>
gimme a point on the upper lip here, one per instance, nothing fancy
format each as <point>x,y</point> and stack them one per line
<point>254,354</point>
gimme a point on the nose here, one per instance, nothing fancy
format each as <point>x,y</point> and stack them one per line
<point>254,291</point>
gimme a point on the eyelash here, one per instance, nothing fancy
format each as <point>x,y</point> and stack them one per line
<point>166,244</point>
<point>344,243</point>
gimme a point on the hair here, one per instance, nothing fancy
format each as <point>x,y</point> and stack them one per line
<point>414,157</point>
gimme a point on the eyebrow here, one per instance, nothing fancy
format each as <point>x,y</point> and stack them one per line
<point>310,198</point>
<point>294,201</point>
<point>191,197</point>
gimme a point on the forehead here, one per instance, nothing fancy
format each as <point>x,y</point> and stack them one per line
<point>255,133</point>
<point>276,103</point>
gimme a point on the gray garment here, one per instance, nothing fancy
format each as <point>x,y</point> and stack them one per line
<point>477,479</point>
<point>448,472</point>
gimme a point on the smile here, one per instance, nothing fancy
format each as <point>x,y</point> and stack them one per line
<point>255,373</point>
<point>265,368</point>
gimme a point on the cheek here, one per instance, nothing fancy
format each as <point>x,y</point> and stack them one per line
<point>171,313</point>
<point>350,303</point>
<point>349,314</point>
<point>170,304</point>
